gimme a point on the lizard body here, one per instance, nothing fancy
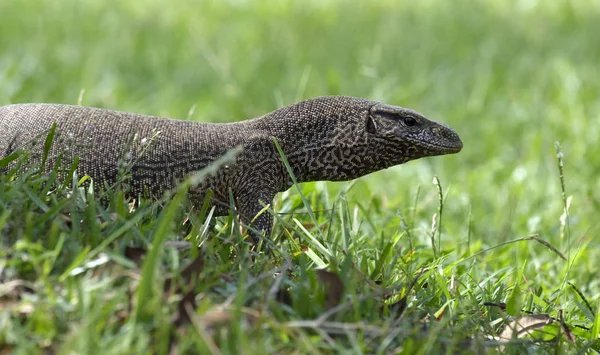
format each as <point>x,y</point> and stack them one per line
<point>332,138</point>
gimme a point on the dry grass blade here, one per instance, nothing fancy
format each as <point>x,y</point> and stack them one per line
<point>10,296</point>
<point>220,316</point>
<point>565,328</point>
<point>178,244</point>
<point>185,309</point>
<point>15,287</point>
<point>524,326</point>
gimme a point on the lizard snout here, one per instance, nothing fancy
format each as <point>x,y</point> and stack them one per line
<point>447,138</point>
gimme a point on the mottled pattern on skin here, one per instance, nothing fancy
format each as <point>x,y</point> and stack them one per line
<point>326,138</point>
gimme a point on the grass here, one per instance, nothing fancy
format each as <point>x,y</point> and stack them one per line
<point>402,274</point>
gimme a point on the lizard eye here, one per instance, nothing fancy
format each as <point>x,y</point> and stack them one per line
<point>410,121</point>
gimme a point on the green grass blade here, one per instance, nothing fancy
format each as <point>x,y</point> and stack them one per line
<point>293,177</point>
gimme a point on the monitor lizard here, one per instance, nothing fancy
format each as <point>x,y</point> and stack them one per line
<point>333,138</point>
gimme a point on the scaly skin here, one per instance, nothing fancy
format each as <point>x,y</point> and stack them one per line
<point>326,138</point>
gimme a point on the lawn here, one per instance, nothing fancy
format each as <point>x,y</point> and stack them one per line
<point>439,255</point>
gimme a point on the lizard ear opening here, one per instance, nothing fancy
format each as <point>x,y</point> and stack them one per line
<point>371,125</point>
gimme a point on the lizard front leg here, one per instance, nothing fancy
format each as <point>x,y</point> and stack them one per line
<point>249,207</point>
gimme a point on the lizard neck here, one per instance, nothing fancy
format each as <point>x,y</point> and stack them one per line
<point>322,141</point>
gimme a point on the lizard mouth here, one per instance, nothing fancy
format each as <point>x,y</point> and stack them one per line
<point>444,147</point>
<point>447,141</point>
<point>453,148</point>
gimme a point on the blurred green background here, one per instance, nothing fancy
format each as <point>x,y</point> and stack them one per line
<point>512,77</point>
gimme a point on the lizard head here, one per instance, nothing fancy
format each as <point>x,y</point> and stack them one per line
<point>342,138</point>
<point>403,134</point>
